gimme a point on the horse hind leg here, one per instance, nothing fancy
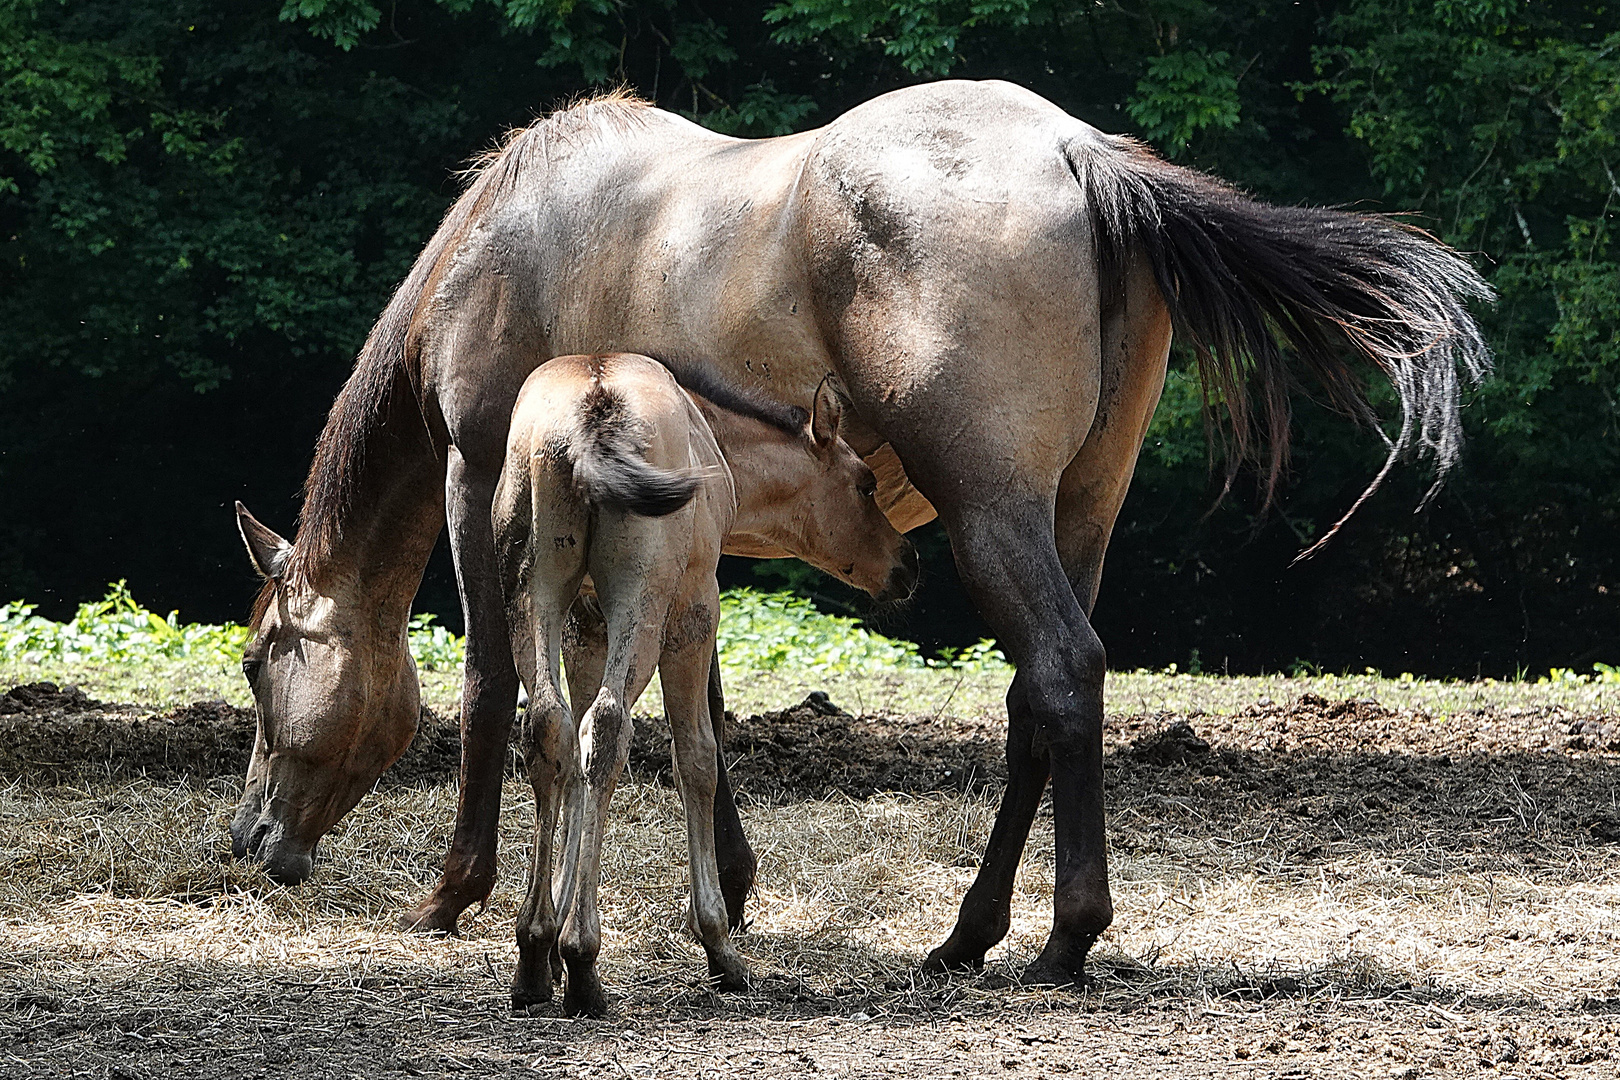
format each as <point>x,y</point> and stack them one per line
<point>685,668</point>
<point>604,739</point>
<point>551,753</point>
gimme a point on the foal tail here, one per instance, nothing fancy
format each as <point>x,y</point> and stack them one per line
<point>1248,283</point>
<point>610,469</point>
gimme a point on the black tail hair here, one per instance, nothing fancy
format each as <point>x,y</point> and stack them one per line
<point>609,469</point>
<point>1248,282</point>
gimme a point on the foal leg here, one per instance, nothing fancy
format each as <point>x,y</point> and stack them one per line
<point>604,739</point>
<point>737,862</point>
<point>684,669</point>
<point>551,753</point>
<point>585,648</point>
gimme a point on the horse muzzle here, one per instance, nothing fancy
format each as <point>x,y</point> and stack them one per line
<point>902,579</point>
<point>255,835</point>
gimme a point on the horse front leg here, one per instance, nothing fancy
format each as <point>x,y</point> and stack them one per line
<point>488,701</point>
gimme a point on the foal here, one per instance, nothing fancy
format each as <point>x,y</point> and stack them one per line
<point>617,478</point>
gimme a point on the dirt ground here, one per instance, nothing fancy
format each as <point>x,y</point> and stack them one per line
<point>1303,888</point>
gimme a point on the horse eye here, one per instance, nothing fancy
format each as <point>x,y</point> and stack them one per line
<point>251,666</point>
<point>868,489</point>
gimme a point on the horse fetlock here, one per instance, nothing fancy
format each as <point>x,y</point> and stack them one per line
<point>537,934</point>
<point>578,948</point>
<point>1082,908</point>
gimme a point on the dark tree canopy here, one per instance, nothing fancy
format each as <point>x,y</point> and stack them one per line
<point>203,207</point>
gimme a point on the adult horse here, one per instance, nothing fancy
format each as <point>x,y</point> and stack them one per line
<point>994,281</point>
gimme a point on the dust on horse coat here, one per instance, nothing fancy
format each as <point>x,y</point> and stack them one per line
<point>614,481</point>
<point>995,282</point>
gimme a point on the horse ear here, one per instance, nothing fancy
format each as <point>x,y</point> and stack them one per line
<point>825,412</point>
<point>268,551</point>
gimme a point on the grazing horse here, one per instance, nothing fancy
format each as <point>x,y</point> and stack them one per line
<point>995,283</point>
<point>618,480</point>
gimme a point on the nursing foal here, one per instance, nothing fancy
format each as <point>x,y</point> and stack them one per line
<point>616,478</point>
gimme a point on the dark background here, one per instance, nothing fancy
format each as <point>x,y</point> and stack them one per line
<point>204,206</point>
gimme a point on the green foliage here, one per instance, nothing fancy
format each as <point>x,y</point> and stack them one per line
<point>1184,93</point>
<point>434,648</point>
<point>114,629</point>
<point>921,34</point>
<point>780,631</point>
<point>758,632</point>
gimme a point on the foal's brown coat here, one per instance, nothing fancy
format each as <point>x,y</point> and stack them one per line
<point>614,480</point>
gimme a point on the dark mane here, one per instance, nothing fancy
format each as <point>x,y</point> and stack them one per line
<point>384,384</point>
<point>706,383</point>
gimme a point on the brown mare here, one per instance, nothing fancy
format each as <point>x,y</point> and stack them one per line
<point>994,281</point>
<point>617,480</point>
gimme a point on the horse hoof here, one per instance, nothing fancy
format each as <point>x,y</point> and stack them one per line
<point>1041,973</point>
<point>590,1003</point>
<point>583,996</point>
<point>1061,963</point>
<point>531,995</point>
<point>729,974</point>
<point>430,919</point>
<point>951,957</point>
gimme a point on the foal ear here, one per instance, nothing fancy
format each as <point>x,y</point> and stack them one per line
<point>826,411</point>
<point>268,551</point>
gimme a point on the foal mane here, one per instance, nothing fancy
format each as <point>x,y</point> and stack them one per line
<point>706,383</point>
<point>386,381</point>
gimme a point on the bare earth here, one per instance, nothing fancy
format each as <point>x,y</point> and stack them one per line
<point>1308,888</point>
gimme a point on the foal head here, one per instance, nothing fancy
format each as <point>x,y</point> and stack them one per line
<point>802,490</point>
<point>336,695</point>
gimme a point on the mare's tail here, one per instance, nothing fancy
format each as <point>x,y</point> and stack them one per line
<point>1248,283</point>
<point>609,469</point>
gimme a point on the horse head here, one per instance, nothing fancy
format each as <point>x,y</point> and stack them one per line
<point>336,694</point>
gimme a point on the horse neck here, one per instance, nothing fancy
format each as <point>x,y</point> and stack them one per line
<point>378,550</point>
<point>748,445</point>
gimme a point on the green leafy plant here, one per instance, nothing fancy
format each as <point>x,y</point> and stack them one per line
<point>758,631</point>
